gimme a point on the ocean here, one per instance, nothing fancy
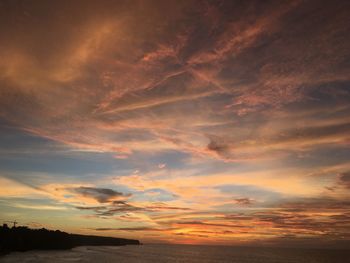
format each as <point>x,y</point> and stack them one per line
<point>180,253</point>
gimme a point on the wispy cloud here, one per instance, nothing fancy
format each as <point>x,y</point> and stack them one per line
<point>178,120</point>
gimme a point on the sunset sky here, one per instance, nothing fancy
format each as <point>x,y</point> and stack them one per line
<point>196,122</point>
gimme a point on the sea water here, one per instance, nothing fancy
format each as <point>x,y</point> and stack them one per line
<point>180,253</point>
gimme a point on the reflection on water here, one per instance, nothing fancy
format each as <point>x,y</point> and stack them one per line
<point>181,253</point>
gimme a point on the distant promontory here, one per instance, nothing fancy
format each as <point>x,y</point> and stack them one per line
<point>23,238</point>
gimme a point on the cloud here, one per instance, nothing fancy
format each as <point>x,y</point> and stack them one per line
<point>200,223</point>
<point>17,189</point>
<point>102,195</point>
<point>344,179</point>
<point>243,201</point>
<point>162,74</point>
<point>318,203</point>
<point>132,229</point>
<point>125,208</point>
<point>239,191</point>
<point>283,140</point>
<point>220,147</point>
<point>94,208</point>
<point>161,165</point>
<point>111,209</point>
<point>163,207</point>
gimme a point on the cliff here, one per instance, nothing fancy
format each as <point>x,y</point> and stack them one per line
<point>24,238</point>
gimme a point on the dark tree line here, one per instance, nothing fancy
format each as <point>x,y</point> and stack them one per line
<point>23,238</point>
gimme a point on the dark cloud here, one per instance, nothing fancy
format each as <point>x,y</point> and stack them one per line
<point>238,217</point>
<point>191,234</point>
<point>239,191</point>
<point>159,206</point>
<point>201,223</point>
<point>94,208</point>
<point>115,207</point>
<point>123,207</point>
<point>344,179</point>
<point>297,222</point>
<point>342,183</point>
<point>243,201</point>
<point>102,195</point>
<point>323,203</point>
<point>311,215</point>
<point>120,207</point>
<point>135,229</point>
<point>315,133</point>
<point>220,146</point>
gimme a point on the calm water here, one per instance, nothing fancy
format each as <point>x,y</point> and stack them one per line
<point>180,253</point>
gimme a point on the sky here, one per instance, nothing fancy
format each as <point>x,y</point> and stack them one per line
<point>194,122</point>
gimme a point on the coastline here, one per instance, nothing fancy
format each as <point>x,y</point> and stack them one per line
<point>24,239</point>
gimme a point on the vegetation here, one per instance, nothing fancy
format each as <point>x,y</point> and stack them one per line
<point>23,238</point>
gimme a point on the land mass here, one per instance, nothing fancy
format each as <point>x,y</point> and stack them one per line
<point>23,238</point>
